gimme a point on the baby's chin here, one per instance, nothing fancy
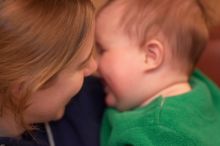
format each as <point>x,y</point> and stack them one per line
<point>110,100</point>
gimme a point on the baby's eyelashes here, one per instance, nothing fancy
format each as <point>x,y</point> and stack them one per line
<point>100,49</point>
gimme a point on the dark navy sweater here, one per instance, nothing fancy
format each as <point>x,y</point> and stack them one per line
<point>80,125</point>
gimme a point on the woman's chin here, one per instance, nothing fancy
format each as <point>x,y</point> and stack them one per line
<point>59,115</point>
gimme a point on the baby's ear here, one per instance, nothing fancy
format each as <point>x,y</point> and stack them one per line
<point>154,54</point>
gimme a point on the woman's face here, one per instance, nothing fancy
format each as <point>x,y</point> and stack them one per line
<point>49,103</point>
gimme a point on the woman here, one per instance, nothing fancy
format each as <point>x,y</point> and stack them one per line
<point>45,53</point>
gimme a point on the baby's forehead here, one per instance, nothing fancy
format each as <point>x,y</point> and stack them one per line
<point>112,14</point>
<point>115,8</point>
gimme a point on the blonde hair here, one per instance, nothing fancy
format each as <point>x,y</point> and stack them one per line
<point>184,24</point>
<point>38,38</point>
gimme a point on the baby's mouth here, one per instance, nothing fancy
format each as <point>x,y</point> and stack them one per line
<point>109,96</point>
<point>106,88</point>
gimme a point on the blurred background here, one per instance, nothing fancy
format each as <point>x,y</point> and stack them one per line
<point>210,60</point>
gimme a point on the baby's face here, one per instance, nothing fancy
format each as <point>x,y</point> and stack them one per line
<point>120,63</point>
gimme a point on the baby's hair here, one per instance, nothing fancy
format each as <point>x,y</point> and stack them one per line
<point>183,23</point>
<point>38,39</point>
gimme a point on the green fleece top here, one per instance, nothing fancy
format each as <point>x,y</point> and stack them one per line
<point>190,119</point>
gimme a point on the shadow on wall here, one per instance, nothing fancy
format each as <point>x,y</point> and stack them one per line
<point>210,59</point>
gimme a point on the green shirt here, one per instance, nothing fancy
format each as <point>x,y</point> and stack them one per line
<point>190,119</point>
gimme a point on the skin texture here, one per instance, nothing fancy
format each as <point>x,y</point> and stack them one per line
<point>121,63</point>
<point>49,104</point>
<point>132,73</point>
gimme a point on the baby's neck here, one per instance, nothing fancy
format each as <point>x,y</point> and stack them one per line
<point>171,90</point>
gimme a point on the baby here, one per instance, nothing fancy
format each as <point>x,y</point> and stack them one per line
<point>147,55</point>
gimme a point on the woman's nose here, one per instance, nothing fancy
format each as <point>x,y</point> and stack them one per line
<point>92,67</point>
